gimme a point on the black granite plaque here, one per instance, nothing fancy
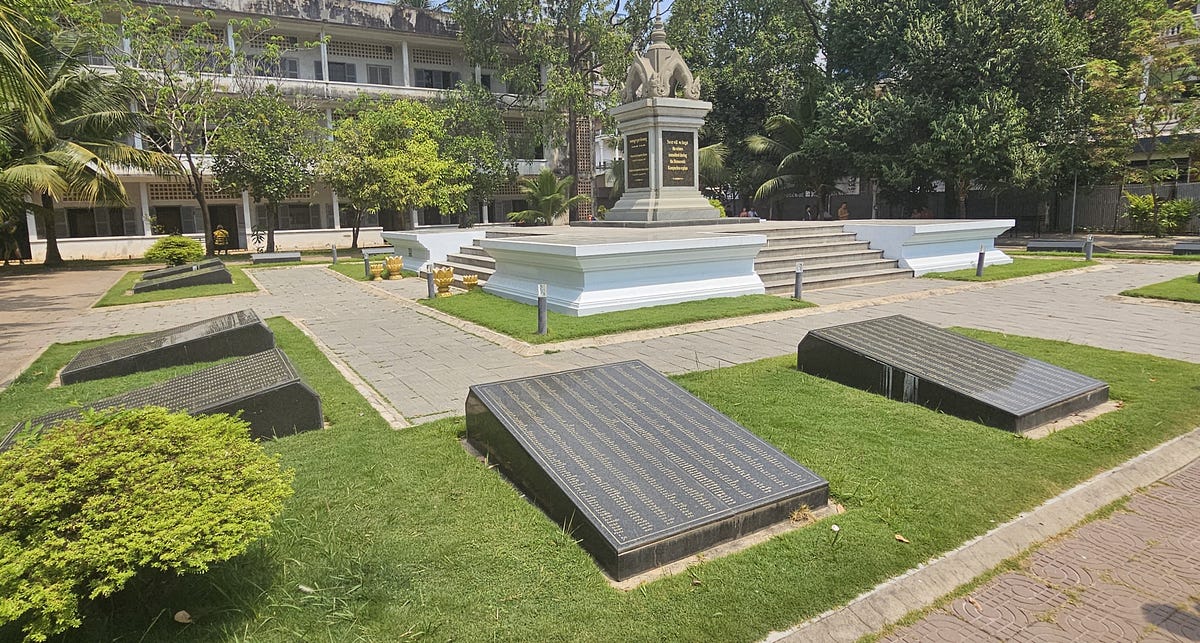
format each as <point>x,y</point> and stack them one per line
<point>641,471</point>
<point>240,333</point>
<point>637,161</point>
<point>177,270</point>
<point>912,361</point>
<point>199,277</point>
<point>679,159</point>
<point>265,387</point>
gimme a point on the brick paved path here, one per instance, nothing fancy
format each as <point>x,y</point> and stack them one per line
<point>1134,576</point>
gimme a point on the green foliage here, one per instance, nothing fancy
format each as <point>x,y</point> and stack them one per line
<point>175,250</point>
<point>1185,288</point>
<point>1151,216</point>
<point>94,501</point>
<point>387,155</point>
<point>718,206</point>
<point>475,136</point>
<point>267,147</point>
<point>754,59</point>
<point>549,199</point>
<point>1020,267</point>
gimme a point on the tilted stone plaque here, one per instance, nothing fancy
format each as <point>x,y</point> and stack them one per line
<point>199,277</point>
<point>637,160</point>
<point>178,270</point>
<point>679,159</point>
<point>240,333</point>
<point>265,387</point>
<point>641,471</point>
<point>912,361</point>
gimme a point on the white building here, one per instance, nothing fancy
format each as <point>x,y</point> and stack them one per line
<point>365,48</point>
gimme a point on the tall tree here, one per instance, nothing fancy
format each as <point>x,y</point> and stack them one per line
<point>78,141</point>
<point>980,90</point>
<point>385,156</point>
<point>475,137</point>
<point>182,74</point>
<point>567,57</point>
<point>268,147</point>
<point>1153,92</point>
<point>754,59</point>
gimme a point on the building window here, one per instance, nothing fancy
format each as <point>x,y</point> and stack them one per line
<point>379,74</point>
<point>435,78</point>
<point>283,68</point>
<point>486,81</point>
<point>338,72</point>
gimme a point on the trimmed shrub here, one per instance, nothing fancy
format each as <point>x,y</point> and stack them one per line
<point>92,501</point>
<point>175,250</point>
<point>1174,215</point>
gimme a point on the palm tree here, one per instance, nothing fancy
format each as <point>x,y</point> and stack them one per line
<point>72,141</point>
<point>549,198</point>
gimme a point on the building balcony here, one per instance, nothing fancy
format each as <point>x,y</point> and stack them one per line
<point>352,13</point>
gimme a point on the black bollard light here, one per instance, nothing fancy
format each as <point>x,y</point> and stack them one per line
<point>543,313</point>
<point>979,262</point>
<point>1088,245</point>
<point>333,247</point>
<point>798,290</point>
<point>429,280</point>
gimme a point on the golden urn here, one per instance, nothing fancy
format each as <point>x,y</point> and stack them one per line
<point>442,278</point>
<point>376,271</point>
<point>470,281</point>
<point>394,266</point>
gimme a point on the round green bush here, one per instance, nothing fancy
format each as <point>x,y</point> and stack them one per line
<point>92,501</point>
<point>175,250</point>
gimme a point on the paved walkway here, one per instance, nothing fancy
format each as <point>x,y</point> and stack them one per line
<point>422,366</point>
<point>1134,576</point>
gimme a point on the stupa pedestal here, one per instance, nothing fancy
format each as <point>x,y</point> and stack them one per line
<point>662,176</point>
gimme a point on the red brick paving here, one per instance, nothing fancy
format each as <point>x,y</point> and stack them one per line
<point>1131,576</point>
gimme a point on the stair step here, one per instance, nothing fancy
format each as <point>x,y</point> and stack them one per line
<point>463,269</point>
<point>840,268</point>
<point>805,245</point>
<point>841,280</point>
<point>770,264</point>
<point>471,260</point>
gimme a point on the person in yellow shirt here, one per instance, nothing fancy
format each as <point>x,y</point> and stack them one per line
<point>221,239</point>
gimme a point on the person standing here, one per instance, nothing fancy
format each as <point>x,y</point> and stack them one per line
<point>220,239</point>
<point>808,213</point>
<point>843,212</point>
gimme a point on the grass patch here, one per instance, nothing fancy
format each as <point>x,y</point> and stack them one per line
<point>1185,288</point>
<point>1103,255</point>
<point>353,269</point>
<point>400,534</point>
<point>1020,267</point>
<point>121,292</point>
<point>520,320</point>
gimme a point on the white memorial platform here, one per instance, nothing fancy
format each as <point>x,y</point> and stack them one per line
<point>418,247</point>
<point>591,271</point>
<point>934,245</point>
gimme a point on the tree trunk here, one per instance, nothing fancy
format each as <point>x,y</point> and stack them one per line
<point>53,258</point>
<point>272,223</point>
<point>198,192</point>
<point>963,188</point>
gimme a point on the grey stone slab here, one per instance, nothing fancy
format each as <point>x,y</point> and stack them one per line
<point>240,333</point>
<point>264,387</point>
<point>178,270</point>
<point>274,257</point>
<point>916,362</point>
<point>199,277</point>
<point>642,471</point>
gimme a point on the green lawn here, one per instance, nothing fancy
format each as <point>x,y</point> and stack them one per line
<point>1020,267</point>
<point>1102,255</point>
<point>520,320</point>
<point>393,535</point>
<point>120,294</point>
<point>1185,288</point>
<point>353,269</point>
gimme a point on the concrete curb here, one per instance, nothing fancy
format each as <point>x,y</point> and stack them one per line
<point>920,587</point>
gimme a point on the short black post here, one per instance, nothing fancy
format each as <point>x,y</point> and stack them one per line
<point>333,247</point>
<point>429,280</point>
<point>543,315</point>
<point>979,262</point>
<point>1088,245</point>
<point>798,291</point>
<point>366,266</point>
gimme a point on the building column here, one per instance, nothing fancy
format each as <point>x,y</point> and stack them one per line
<point>324,58</point>
<point>412,213</point>
<point>144,204</point>
<point>405,71</point>
<point>485,213</point>
<point>247,219</point>
<point>31,223</point>
<point>478,74</point>
<point>337,210</point>
<point>232,44</point>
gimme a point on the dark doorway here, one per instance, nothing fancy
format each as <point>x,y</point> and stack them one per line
<point>168,220</point>
<point>226,215</point>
